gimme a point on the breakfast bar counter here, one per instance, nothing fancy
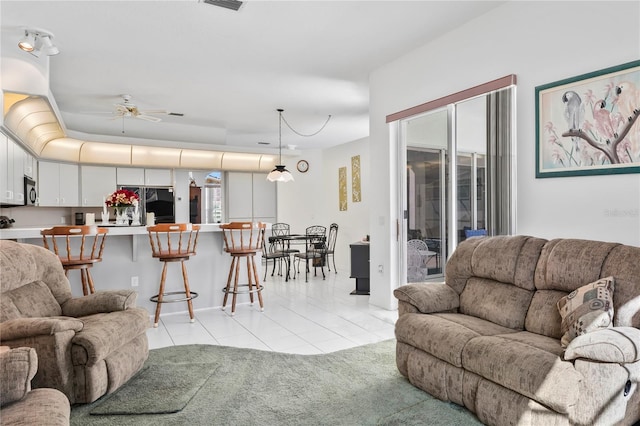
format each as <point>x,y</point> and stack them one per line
<point>127,264</point>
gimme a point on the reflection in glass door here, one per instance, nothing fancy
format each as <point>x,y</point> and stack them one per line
<point>428,181</point>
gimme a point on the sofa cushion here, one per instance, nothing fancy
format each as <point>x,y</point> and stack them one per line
<point>618,344</point>
<point>503,304</point>
<point>443,335</point>
<point>524,368</point>
<point>587,309</point>
<point>32,300</point>
<point>543,316</point>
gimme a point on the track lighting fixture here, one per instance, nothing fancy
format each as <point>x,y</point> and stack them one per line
<point>37,42</point>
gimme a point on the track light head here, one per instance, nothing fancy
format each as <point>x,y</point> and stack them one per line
<point>37,41</point>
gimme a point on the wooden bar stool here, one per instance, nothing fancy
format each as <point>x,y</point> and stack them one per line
<point>243,240</point>
<point>62,239</point>
<point>173,242</point>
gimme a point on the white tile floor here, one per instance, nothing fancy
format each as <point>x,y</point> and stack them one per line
<point>303,318</point>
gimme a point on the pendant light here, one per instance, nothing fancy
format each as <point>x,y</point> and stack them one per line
<point>280,173</point>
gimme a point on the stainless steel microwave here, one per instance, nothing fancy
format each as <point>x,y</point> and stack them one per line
<point>30,192</point>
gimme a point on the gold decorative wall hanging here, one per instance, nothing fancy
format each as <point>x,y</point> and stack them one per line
<point>342,188</point>
<point>356,194</point>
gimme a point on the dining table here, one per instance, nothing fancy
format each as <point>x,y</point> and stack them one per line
<point>286,241</point>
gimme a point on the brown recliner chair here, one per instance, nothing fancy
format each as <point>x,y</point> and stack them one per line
<point>87,346</point>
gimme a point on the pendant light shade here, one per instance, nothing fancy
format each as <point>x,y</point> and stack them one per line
<point>280,173</point>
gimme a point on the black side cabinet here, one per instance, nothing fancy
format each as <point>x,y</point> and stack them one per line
<point>360,267</point>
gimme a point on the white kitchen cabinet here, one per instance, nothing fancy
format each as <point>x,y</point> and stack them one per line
<point>58,184</point>
<point>135,176</point>
<point>29,165</point>
<point>11,171</point>
<point>250,197</point>
<point>96,183</point>
<point>130,176</point>
<point>158,177</point>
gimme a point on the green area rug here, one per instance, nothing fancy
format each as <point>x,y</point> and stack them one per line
<point>358,386</point>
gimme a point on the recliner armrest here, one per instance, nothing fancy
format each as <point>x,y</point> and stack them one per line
<point>100,302</point>
<point>616,344</point>
<point>429,297</point>
<point>30,327</point>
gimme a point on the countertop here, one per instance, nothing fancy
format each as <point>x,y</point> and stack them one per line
<point>34,231</point>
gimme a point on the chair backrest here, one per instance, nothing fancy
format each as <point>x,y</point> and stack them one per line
<point>417,244</point>
<point>333,236</point>
<point>59,239</point>
<point>316,237</point>
<point>173,240</point>
<point>280,229</point>
<point>243,237</point>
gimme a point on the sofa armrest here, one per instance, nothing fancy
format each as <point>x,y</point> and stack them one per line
<point>100,302</point>
<point>616,344</point>
<point>428,297</point>
<point>17,368</point>
<point>30,327</point>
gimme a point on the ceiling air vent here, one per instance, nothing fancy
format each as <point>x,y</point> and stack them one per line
<point>177,114</point>
<point>227,4</point>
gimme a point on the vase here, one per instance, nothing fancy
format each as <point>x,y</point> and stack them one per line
<point>122,216</point>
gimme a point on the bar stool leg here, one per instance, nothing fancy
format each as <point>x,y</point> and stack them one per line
<point>235,288</point>
<point>83,279</point>
<point>226,293</point>
<point>186,290</point>
<point>256,277</point>
<point>90,281</point>
<point>160,293</point>
<point>249,277</point>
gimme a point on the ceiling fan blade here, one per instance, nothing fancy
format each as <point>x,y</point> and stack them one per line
<point>154,111</point>
<point>148,118</point>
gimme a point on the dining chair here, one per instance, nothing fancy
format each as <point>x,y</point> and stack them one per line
<point>173,242</point>
<point>273,251</point>
<point>315,244</point>
<point>77,247</point>
<point>330,248</point>
<point>283,229</point>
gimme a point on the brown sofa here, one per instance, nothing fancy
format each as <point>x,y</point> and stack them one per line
<point>19,405</point>
<point>87,346</point>
<point>489,338</point>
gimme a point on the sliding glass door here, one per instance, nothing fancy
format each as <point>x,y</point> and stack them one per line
<point>445,153</point>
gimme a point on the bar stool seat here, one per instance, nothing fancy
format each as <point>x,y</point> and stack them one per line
<point>173,242</point>
<point>243,240</point>
<point>62,240</point>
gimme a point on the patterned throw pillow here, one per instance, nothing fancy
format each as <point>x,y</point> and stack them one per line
<point>586,309</point>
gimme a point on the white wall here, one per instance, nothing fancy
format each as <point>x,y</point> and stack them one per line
<point>540,42</point>
<point>312,199</point>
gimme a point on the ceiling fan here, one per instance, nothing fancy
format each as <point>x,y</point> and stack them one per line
<point>128,109</point>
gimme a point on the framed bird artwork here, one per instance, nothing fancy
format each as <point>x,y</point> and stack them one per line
<point>588,124</point>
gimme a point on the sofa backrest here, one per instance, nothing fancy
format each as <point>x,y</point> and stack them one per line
<point>494,277</point>
<point>567,264</point>
<point>29,266</point>
<point>516,281</point>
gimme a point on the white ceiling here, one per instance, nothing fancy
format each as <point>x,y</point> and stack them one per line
<point>226,71</point>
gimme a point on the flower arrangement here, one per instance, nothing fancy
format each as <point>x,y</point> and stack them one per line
<point>122,198</point>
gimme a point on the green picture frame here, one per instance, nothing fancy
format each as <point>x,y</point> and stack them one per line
<point>588,124</point>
